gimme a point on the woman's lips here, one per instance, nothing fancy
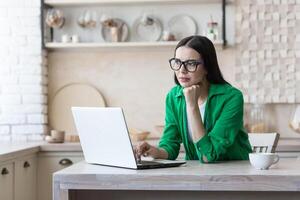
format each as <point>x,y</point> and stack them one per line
<point>183,79</point>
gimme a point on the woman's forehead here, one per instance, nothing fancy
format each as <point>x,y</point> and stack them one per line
<point>186,53</point>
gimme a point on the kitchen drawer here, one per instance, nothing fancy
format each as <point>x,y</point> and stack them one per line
<point>6,181</point>
<point>50,162</point>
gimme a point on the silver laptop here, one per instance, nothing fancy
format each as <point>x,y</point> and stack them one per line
<point>105,139</point>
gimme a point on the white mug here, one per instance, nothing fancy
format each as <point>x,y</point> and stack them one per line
<point>75,38</point>
<point>263,160</point>
<point>65,38</point>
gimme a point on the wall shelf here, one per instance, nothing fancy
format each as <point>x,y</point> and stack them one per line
<point>48,33</point>
<point>117,45</point>
<point>110,2</point>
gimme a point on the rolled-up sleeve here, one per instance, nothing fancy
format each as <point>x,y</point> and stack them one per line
<point>170,141</point>
<point>216,142</point>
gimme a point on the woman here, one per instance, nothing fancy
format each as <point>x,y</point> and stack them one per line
<point>203,111</point>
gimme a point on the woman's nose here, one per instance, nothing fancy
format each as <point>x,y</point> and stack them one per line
<point>182,69</point>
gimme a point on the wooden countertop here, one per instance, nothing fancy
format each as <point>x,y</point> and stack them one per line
<point>194,176</point>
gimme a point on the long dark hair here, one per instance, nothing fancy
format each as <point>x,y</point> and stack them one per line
<point>207,50</point>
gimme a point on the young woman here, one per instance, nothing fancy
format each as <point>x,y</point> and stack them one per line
<point>203,111</point>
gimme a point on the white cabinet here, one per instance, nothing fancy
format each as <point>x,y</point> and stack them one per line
<point>50,162</point>
<point>6,181</point>
<point>25,178</point>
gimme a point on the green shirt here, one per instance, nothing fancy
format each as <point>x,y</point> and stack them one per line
<point>225,137</point>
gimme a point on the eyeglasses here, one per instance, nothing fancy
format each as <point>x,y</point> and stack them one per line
<point>189,65</point>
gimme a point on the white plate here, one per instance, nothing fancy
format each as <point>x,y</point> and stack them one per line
<point>106,33</point>
<point>60,115</point>
<point>148,33</point>
<point>182,26</point>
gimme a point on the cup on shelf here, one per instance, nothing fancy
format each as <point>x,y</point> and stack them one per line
<point>58,135</point>
<point>65,38</point>
<point>75,38</point>
<point>168,36</point>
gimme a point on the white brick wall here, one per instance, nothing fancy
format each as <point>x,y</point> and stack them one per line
<point>23,72</point>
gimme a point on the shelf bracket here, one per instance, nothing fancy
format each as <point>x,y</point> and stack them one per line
<point>224,23</point>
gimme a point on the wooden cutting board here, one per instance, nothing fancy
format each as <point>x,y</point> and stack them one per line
<point>77,94</point>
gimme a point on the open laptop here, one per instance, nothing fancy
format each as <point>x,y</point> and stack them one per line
<point>105,140</point>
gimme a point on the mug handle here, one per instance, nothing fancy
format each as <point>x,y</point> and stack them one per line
<point>276,160</point>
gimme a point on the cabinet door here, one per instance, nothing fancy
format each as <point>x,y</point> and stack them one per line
<point>26,178</point>
<point>48,163</point>
<point>6,181</point>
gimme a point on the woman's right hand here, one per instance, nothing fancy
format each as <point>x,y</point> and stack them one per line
<point>145,149</point>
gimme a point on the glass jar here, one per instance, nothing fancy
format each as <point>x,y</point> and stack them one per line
<point>257,119</point>
<point>295,119</point>
<point>212,31</point>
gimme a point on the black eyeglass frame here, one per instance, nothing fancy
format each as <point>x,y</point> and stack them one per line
<point>198,62</point>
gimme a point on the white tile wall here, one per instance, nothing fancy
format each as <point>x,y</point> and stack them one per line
<point>268,48</point>
<point>23,72</point>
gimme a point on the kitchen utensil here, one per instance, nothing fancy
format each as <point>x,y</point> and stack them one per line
<point>182,26</point>
<point>60,115</point>
<point>55,18</point>
<point>114,30</point>
<point>147,28</point>
<point>88,19</point>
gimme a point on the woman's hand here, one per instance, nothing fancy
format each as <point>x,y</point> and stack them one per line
<point>192,94</point>
<point>146,149</point>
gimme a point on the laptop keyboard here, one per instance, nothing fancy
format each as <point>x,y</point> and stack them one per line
<point>145,162</point>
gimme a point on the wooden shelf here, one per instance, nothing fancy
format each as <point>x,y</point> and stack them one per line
<point>99,2</point>
<point>117,45</point>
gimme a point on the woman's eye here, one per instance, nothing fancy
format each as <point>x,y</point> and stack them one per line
<point>192,63</point>
<point>177,62</point>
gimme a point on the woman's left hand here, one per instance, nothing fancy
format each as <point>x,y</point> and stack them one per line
<point>192,94</point>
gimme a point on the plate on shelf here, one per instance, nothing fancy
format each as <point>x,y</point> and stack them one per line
<point>77,94</point>
<point>108,32</point>
<point>182,26</point>
<point>150,29</point>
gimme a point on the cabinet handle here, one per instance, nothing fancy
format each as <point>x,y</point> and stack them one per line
<point>65,162</point>
<point>26,164</point>
<point>4,171</point>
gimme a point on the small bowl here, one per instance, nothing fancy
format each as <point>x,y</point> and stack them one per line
<point>138,135</point>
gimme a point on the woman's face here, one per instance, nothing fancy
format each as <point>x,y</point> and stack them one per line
<point>184,77</point>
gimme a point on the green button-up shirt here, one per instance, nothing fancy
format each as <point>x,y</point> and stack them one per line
<point>225,137</point>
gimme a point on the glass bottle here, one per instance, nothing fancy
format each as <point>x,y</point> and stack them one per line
<point>212,31</point>
<point>257,119</point>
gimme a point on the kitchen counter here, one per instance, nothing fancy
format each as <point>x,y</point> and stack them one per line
<point>236,180</point>
<point>9,150</point>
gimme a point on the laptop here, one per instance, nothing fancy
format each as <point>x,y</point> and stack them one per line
<point>105,140</point>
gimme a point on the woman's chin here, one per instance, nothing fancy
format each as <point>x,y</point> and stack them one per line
<point>184,85</point>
